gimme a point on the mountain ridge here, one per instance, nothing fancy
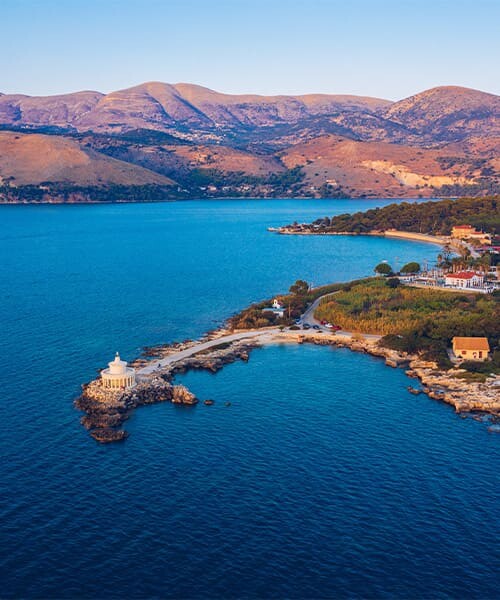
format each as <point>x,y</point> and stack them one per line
<point>440,141</point>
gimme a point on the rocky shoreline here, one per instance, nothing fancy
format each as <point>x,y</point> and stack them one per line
<point>464,396</point>
<point>106,410</point>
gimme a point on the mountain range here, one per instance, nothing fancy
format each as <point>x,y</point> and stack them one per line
<point>160,140</point>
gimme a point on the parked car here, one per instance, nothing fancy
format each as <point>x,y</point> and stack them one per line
<point>329,325</point>
<point>307,326</point>
<point>315,326</point>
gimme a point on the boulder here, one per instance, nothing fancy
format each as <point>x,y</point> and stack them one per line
<point>181,395</point>
<point>106,435</point>
<point>103,420</point>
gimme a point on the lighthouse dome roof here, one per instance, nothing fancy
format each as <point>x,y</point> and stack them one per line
<point>117,366</point>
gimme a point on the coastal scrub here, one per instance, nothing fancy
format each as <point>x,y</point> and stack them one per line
<point>413,319</point>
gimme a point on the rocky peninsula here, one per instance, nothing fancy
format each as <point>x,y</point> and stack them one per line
<point>107,410</point>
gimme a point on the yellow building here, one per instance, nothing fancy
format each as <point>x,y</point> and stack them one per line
<point>467,232</point>
<point>471,348</point>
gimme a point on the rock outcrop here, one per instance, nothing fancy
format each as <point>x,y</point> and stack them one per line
<point>106,410</point>
<point>106,435</point>
<point>181,395</point>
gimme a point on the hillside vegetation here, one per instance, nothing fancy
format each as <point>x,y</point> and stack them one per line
<point>295,303</point>
<point>413,319</point>
<point>424,217</point>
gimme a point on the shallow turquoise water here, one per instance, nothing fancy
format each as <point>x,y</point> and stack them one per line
<point>323,478</point>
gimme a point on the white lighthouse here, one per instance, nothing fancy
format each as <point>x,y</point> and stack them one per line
<point>118,375</point>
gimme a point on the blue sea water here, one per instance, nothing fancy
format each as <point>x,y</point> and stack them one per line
<point>324,478</point>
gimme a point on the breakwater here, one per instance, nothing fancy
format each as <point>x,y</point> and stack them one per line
<point>106,410</point>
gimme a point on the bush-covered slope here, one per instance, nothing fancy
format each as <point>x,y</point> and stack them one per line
<point>413,319</point>
<point>425,217</point>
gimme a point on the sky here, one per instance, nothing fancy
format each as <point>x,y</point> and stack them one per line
<point>383,48</point>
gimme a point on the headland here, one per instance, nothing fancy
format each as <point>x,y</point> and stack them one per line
<point>413,319</point>
<point>106,410</point>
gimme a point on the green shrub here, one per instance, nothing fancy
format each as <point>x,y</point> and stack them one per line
<point>411,267</point>
<point>393,282</point>
<point>383,269</point>
<point>413,320</point>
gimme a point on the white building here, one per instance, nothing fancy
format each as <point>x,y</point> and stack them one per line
<point>118,375</point>
<point>464,279</point>
<point>277,308</point>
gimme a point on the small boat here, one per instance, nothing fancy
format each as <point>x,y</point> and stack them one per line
<point>208,402</point>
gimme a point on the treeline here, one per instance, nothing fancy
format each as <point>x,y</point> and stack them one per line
<point>484,186</point>
<point>423,217</point>
<point>281,184</point>
<point>58,192</point>
<point>280,181</point>
<point>300,296</point>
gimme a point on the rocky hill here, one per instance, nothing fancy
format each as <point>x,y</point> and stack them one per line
<point>448,114</point>
<point>443,141</point>
<point>375,168</point>
<point>167,107</point>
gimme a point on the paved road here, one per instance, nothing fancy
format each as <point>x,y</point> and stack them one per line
<point>233,337</point>
<point>307,317</point>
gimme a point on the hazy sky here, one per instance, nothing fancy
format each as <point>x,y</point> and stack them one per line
<point>385,48</point>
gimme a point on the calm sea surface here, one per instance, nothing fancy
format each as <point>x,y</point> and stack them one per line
<point>324,478</point>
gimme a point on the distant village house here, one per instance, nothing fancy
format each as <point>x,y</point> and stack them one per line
<point>467,232</point>
<point>471,348</point>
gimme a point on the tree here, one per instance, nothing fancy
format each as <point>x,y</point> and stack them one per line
<point>464,251</point>
<point>444,259</point>
<point>393,282</point>
<point>484,262</point>
<point>411,267</point>
<point>299,288</point>
<point>383,268</point>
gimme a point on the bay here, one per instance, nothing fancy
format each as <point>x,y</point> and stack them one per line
<point>323,478</point>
